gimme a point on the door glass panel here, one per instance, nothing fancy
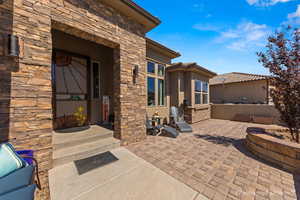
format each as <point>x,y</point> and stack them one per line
<point>70,83</point>
<point>96,81</point>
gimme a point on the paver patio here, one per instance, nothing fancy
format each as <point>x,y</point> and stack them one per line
<point>214,162</point>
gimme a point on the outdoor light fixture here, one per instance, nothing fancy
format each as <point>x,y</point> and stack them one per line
<point>135,73</point>
<point>13,45</point>
<point>136,70</point>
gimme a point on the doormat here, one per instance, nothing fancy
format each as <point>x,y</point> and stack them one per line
<point>87,164</point>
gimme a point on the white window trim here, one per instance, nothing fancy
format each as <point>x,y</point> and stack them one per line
<point>201,93</point>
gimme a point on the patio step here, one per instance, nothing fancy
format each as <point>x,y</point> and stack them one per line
<point>76,152</point>
<point>64,139</point>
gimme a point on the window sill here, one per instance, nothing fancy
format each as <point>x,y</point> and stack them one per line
<point>199,107</point>
<point>157,106</point>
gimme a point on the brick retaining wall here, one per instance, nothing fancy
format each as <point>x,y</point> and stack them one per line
<point>277,151</point>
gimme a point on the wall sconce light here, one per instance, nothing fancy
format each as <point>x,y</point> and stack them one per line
<point>135,72</point>
<point>13,46</point>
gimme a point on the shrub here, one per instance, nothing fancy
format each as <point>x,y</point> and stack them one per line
<point>282,58</point>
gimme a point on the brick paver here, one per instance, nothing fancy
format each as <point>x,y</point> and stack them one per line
<point>214,161</point>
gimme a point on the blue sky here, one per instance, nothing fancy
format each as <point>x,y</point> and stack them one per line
<point>221,35</point>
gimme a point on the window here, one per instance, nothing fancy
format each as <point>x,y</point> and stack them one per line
<point>151,67</point>
<point>197,98</point>
<point>151,91</point>
<point>161,92</point>
<point>197,86</point>
<point>205,87</point>
<point>156,84</point>
<point>201,92</point>
<point>205,92</point>
<point>161,70</point>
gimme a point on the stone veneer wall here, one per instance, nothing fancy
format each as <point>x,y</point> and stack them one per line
<point>279,152</point>
<point>26,93</point>
<point>7,65</point>
<point>197,113</point>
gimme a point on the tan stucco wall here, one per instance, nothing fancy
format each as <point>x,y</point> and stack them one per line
<point>182,87</point>
<point>253,91</point>
<point>198,113</point>
<point>231,111</point>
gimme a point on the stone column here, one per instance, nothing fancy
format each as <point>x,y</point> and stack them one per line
<point>31,90</point>
<point>7,65</point>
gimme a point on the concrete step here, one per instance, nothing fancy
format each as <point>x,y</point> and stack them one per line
<point>69,154</point>
<point>68,139</point>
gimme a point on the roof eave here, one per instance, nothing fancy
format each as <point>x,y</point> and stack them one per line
<point>244,81</point>
<point>163,49</point>
<point>192,67</point>
<point>136,12</point>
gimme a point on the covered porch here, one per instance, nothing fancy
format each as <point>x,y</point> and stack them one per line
<point>82,83</point>
<point>82,98</point>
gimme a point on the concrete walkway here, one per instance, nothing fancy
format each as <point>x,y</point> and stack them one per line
<point>129,178</point>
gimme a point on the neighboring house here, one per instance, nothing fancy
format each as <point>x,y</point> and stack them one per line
<point>240,88</point>
<point>91,58</point>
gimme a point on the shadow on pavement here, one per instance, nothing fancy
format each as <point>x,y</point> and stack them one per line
<point>239,144</point>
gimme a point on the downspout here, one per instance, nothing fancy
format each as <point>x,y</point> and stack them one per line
<point>268,98</point>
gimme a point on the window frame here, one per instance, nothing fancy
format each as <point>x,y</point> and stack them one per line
<point>157,77</point>
<point>154,68</point>
<point>148,77</point>
<point>163,91</point>
<point>201,92</point>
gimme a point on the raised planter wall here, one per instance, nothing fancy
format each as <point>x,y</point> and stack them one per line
<point>283,154</point>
